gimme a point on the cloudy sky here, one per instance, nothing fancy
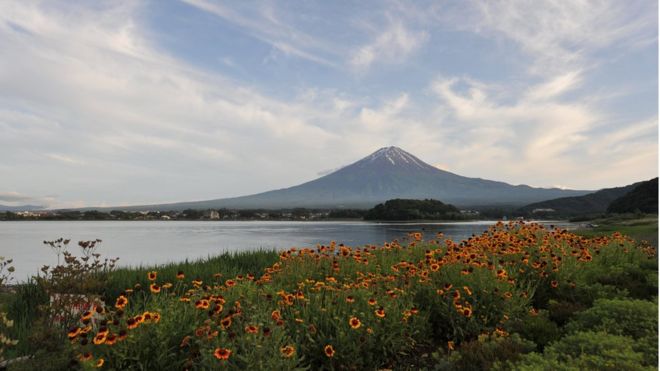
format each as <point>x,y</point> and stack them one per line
<point>133,102</point>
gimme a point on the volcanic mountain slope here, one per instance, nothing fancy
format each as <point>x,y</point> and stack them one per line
<point>387,173</point>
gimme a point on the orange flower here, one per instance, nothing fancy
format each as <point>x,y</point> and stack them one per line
<point>251,329</point>
<point>73,332</point>
<point>111,339</point>
<point>152,275</point>
<point>554,284</point>
<point>226,322</point>
<point>450,345</point>
<point>87,315</point>
<point>329,351</point>
<point>467,290</point>
<point>350,299</point>
<point>275,315</point>
<point>202,304</point>
<point>222,354</point>
<point>85,357</point>
<point>230,283</point>
<point>100,338</point>
<point>467,312</point>
<point>435,267</point>
<point>354,322</point>
<point>287,351</point>
<point>180,275</point>
<point>154,288</point>
<point>99,363</point>
<point>131,323</point>
<point>372,301</point>
<point>121,302</point>
<point>380,312</point>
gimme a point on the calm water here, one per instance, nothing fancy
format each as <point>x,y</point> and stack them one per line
<point>151,242</point>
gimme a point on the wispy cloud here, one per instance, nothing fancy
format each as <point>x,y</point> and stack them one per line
<point>394,43</point>
<point>560,35</point>
<point>65,159</point>
<point>539,135</point>
<point>265,26</point>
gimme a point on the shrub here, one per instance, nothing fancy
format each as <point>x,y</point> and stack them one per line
<point>634,318</point>
<point>537,328</point>
<point>583,351</point>
<point>481,354</point>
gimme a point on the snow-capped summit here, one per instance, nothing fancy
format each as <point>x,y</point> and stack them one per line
<point>395,156</point>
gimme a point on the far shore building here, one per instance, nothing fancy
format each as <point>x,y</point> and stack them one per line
<point>212,214</point>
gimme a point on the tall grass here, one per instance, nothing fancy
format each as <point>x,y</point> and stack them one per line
<point>228,264</point>
<point>23,307</point>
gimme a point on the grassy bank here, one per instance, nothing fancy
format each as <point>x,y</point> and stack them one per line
<point>517,297</point>
<point>640,228</point>
<point>229,264</point>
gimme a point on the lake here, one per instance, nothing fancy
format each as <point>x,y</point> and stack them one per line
<point>154,242</point>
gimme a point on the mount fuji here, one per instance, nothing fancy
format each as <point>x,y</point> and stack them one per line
<point>385,174</point>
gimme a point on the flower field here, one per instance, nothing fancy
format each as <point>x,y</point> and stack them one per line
<point>519,296</point>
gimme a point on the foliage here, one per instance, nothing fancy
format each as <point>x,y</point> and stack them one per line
<point>226,264</point>
<point>637,319</point>
<point>536,327</point>
<point>644,198</point>
<point>404,209</point>
<point>6,269</point>
<point>589,204</point>
<point>481,354</point>
<point>73,286</point>
<point>583,351</point>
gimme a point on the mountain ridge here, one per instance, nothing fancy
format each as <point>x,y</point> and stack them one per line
<point>387,173</point>
<point>592,203</point>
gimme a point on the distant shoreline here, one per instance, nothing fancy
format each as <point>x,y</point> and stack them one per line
<point>415,221</point>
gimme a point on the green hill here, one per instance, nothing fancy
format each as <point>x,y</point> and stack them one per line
<point>644,198</point>
<point>404,209</point>
<point>592,203</point>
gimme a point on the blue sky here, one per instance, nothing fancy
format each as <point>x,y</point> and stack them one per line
<point>133,102</point>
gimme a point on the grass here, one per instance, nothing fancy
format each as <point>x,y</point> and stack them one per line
<point>643,228</point>
<point>228,264</point>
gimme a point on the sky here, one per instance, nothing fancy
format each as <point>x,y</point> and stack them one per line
<point>112,103</point>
